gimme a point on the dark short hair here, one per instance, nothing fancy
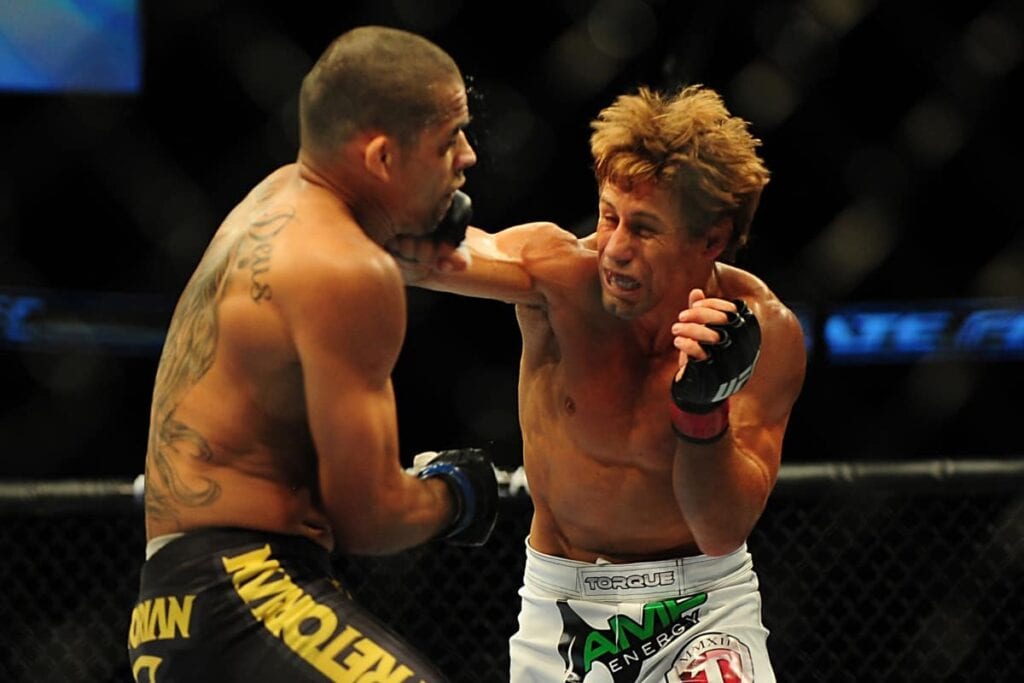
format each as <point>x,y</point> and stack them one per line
<point>373,77</point>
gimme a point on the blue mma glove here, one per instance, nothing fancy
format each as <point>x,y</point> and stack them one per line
<point>470,476</point>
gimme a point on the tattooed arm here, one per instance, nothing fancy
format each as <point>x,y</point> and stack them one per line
<point>348,320</point>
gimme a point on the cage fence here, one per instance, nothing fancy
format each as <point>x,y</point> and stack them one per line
<point>900,572</point>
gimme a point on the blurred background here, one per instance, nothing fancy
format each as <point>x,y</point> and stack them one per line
<point>892,223</point>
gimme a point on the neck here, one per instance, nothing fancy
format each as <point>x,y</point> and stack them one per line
<point>358,200</point>
<point>653,329</point>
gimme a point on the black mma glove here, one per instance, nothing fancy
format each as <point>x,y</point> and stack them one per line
<point>700,398</point>
<point>470,476</point>
<point>452,228</point>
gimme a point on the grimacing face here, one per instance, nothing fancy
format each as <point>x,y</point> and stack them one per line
<point>645,253</point>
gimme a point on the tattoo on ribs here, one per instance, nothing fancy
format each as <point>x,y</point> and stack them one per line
<point>171,492</point>
<point>189,352</point>
<point>187,356</point>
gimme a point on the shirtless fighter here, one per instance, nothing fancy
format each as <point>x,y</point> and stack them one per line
<point>273,434</point>
<point>656,383</point>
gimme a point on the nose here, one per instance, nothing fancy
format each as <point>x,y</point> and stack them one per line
<point>619,247</point>
<point>465,155</point>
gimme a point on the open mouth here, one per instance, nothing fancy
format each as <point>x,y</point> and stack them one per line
<point>620,282</point>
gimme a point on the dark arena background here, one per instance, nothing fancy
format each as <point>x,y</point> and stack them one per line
<point>893,546</point>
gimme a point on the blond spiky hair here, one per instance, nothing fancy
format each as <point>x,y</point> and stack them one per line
<point>689,142</point>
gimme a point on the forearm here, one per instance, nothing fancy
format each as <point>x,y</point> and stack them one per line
<point>721,491</point>
<point>449,494</point>
<point>488,266</point>
<point>374,505</point>
<point>408,512</point>
<point>723,468</point>
<point>425,263</point>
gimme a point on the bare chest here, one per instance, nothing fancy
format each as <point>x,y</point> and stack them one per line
<point>602,394</point>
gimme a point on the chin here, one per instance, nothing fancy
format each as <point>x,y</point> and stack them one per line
<point>619,308</point>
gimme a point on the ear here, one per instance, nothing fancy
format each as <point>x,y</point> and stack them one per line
<point>717,238</point>
<point>379,156</point>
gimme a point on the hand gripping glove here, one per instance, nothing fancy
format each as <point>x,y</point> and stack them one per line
<point>470,476</point>
<point>452,228</point>
<point>700,398</point>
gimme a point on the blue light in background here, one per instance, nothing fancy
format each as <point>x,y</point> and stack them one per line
<point>862,334</point>
<point>806,317</point>
<point>957,329</point>
<point>70,46</point>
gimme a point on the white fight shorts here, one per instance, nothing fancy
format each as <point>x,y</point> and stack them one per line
<point>687,620</point>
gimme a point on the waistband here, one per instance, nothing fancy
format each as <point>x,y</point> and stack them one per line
<point>606,582</point>
<point>158,542</point>
<point>190,550</point>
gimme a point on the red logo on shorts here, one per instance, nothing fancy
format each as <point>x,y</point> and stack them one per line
<point>713,658</point>
<point>716,666</point>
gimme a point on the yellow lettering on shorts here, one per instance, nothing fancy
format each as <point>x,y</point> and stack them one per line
<point>146,663</point>
<point>160,618</point>
<point>310,629</point>
<point>243,567</point>
<point>369,653</point>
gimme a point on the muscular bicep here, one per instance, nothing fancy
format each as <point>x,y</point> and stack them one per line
<point>348,334</point>
<point>354,427</point>
<point>515,265</point>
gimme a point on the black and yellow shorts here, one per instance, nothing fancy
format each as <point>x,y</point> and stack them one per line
<point>243,605</point>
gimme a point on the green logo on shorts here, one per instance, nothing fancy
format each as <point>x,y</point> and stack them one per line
<point>626,643</point>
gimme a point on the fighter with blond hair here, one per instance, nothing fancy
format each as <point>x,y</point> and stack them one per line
<point>656,383</point>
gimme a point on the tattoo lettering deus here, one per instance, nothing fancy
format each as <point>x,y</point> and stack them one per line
<point>262,231</point>
<point>189,351</point>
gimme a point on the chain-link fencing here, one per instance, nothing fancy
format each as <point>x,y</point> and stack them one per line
<point>886,581</point>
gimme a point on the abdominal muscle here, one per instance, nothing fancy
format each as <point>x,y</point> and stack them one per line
<point>588,508</point>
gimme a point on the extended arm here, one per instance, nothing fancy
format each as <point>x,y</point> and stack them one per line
<point>511,265</point>
<point>723,475</point>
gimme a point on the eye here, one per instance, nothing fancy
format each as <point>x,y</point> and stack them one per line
<point>451,142</point>
<point>607,221</point>
<point>460,134</point>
